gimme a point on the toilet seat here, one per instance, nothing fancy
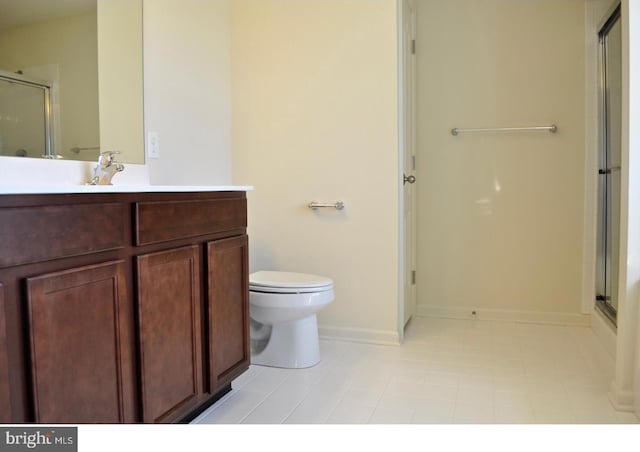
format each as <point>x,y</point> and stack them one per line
<point>286,282</point>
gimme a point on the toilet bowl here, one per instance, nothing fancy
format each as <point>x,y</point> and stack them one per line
<point>284,327</point>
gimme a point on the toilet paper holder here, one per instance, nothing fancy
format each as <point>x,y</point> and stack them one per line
<point>338,205</point>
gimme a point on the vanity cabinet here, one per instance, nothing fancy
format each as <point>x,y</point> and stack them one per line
<point>170,328</point>
<point>121,307</point>
<point>5,398</point>
<point>228,310</point>
<point>79,344</point>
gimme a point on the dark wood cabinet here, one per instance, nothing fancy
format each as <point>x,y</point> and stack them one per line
<point>79,335</point>
<point>170,327</point>
<point>228,310</point>
<point>5,397</point>
<point>121,307</point>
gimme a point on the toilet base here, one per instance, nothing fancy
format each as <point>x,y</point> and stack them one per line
<point>292,345</point>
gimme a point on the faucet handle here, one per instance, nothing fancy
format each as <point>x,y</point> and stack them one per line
<point>106,157</point>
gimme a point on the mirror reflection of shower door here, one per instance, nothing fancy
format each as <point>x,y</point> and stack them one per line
<point>25,117</point>
<point>609,167</point>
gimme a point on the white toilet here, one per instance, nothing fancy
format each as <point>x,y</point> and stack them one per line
<point>283,307</point>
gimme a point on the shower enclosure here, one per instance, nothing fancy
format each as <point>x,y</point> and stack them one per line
<point>25,116</point>
<point>609,167</point>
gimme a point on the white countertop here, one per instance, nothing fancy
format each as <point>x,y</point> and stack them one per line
<point>63,189</point>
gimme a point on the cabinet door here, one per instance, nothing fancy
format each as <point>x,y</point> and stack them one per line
<point>228,303</point>
<point>170,327</point>
<point>81,350</point>
<point>5,400</point>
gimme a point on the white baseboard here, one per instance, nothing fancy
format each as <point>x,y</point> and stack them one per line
<point>381,337</point>
<point>549,318</point>
<point>605,332</point>
<point>621,400</point>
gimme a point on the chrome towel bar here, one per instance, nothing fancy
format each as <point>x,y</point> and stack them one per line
<point>338,205</point>
<point>92,148</point>
<point>552,128</point>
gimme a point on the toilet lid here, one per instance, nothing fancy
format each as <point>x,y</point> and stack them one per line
<point>270,280</point>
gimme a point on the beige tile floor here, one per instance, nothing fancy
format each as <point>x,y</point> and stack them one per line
<point>446,372</point>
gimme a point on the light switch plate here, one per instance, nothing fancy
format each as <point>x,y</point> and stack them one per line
<point>153,145</point>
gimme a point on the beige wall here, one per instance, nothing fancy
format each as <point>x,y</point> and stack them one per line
<point>314,118</point>
<point>120,84</point>
<point>187,93</point>
<point>500,225</point>
<point>70,43</point>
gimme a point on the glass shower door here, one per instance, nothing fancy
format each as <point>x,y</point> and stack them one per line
<point>609,171</point>
<point>24,117</point>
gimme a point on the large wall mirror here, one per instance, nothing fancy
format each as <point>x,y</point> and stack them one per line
<point>71,79</point>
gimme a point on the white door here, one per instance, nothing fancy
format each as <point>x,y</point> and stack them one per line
<point>409,147</point>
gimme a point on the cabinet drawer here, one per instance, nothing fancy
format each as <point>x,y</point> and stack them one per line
<point>40,233</point>
<point>162,221</point>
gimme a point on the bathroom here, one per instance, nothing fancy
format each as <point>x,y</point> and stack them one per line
<point>318,119</point>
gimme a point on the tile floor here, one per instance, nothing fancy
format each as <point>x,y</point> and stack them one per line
<point>447,372</point>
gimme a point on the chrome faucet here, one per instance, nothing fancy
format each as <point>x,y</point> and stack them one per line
<point>105,169</point>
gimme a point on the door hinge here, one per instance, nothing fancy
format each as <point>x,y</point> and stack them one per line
<point>413,47</point>
<point>413,277</point>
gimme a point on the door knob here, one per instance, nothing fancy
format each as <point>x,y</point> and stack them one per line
<point>410,179</point>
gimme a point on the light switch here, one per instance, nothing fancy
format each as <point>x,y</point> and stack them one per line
<point>153,145</point>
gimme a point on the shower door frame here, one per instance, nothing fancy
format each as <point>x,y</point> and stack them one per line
<point>605,288</point>
<point>21,79</point>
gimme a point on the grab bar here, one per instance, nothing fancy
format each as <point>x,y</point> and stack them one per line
<point>338,205</point>
<point>552,128</point>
